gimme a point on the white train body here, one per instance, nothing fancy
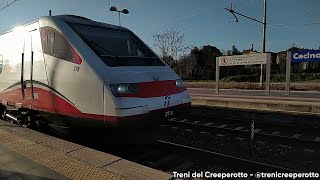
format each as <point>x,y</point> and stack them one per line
<point>80,73</point>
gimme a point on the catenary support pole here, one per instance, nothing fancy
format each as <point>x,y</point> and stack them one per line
<point>217,74</point>
<point>268,73</point>
<point>263,37</point>
<point>288,72</point>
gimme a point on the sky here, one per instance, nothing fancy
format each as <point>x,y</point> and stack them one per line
<point>203,22</point>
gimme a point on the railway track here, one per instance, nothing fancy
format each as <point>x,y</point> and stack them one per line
<point>279,119</point>
<point>233,161</point>
<point>173,157</point>
<point>293,127</point>
<point>276,151</point>
<point>189,149</point>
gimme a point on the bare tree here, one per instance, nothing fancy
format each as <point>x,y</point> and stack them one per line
<point>170,44</point>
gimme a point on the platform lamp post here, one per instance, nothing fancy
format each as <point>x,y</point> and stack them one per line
<point>124,11</point>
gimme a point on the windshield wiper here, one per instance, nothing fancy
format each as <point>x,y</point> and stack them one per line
<point>108,55</point>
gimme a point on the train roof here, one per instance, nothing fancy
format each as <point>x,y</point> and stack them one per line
<point>83,20</point>
<point>69,18</point>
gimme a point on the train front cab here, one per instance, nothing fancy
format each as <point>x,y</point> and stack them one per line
<point>139,90</point>
<point>138,116</point>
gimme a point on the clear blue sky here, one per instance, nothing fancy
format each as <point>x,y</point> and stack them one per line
<point>203,22</point>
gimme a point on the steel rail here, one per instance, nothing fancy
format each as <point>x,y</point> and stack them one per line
<point>233,159</point>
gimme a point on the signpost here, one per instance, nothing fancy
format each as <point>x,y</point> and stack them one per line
<point>305,56</point>
<point>297,57</point>
<point>251,59</point>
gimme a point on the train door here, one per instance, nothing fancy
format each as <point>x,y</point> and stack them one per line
<point>27,68</point>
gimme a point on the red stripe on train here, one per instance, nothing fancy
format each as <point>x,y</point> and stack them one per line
<point>155,89</point>
<point>48,102</point>
<point>53,103</point>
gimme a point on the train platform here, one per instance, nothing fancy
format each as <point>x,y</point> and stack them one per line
<point>16,166</point>
<point>28,154</point>
<point>298,102</point>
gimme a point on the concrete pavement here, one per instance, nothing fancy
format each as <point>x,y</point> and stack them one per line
<point>16,166</point>
<point>297,102</point>
<point>275,94</point>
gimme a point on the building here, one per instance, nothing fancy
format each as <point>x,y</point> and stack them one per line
<point>295,67</point>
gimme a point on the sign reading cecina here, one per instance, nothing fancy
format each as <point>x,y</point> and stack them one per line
<point>305,56</point>
<point>250,59</point>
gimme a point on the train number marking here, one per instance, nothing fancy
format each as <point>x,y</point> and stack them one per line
<point>167,101</point>
<point>168,113</point>
<point>76,69</point>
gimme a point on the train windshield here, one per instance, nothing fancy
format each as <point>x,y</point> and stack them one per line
<point>116,47</point>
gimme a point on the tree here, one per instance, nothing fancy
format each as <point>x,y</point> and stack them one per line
<point>186,66</point>
<point>235,51</point>
<point>199,63</point>
<point>293,49</point>
<point>232,70</point>
<point>168,59</point>
<point>170,43</point>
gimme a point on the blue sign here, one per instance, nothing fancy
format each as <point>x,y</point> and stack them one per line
<point>305,56</point>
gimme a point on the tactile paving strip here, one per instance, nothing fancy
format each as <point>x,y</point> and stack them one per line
<point>73,168</point>
<point>30,134</point>
<point>94,157</point>
<point>7,139</point>
<point>62,145</point>
<point>25,133</point>
<point>54,160</point>
<point>134,171</point>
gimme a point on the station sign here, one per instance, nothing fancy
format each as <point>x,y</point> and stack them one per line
<point>250,59</point>
<point>305,56</point>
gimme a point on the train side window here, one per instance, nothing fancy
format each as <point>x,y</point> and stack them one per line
<point>54,44</point>
<point>46,40</point>
<point>50,41</point>
<point>62,48</point>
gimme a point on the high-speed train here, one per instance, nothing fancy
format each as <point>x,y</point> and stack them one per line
<point>69,72</point>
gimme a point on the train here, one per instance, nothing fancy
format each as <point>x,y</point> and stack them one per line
<point>70,72</point>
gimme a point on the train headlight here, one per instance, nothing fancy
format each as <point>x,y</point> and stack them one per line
<point>179,83</point>
<point>124,88</point>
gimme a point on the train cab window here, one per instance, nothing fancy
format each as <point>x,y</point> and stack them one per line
<point>54,44</point>
<point>116,47</point>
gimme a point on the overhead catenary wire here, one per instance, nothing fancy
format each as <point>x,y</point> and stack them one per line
<point>109,3</point>
<point>290,25</point>
<point>8,4</point>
